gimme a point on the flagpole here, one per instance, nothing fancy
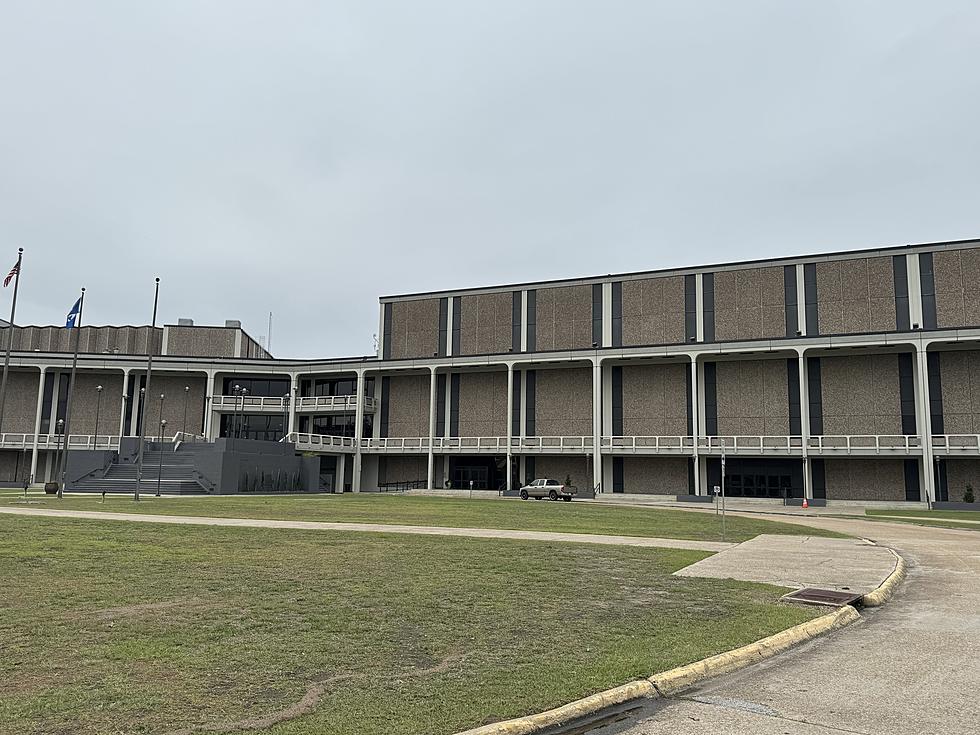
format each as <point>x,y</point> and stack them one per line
<point>71,389</point>
<point>10,339</point>
<point>146,392</point>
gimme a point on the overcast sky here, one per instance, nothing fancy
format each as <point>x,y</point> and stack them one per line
<point>307,157</point>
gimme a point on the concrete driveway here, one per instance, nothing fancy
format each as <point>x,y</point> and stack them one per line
<point>909,668</point>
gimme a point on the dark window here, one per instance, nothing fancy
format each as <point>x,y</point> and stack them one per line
<point>708,305</point>
<point>342,425</point>
<point>385,392</point>
<point>789,287</point>
<point>900,273</point>
<point>597,314</point>
<point>62,399</point>
<point>906,385</point>
<point>530,379</point>
<point>928,282</point>
<point>48,397</point>
<point>810,299</point>
<point>793,382</point>
<point>443,325</point>
<point>617,400</point>
<point>515,322</point>
<point>617,314</point>
<point>942,481</point>
<point>690,475</point>
<point>912,491</point>
<point>710,399</point>
<point>935,393</point>
<point>258,427</point>
<point>441,404</point>
<point>454,404</point>
<point>329,387</point>
<point>386,339</point>
<point>457,315</point>
<point>690,308</point>
<point>689,386</point>
<point>257,386</point>
<point>528,470</point>
<point>532,320</point>
<point>515,416</point>
<point>617,478</point>
<point>814,395</point>
<point>819,478</point>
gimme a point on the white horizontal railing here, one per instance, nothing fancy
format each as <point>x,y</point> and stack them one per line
<point>471,443</point>
<point>320,442</point>
<point>56,441</point>
<point>750,443</point>
<point>958,443</point>
<point>303,404</point>
<point>877,443</point>
<point>231,403</point>
<point>648,443</point>
<point>558,443</point>
<point>334,403</point>
<point>397,444</point>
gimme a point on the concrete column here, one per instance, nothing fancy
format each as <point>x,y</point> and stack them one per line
<point>37,423</point>
<point>805,425</point>
<point>924,422</point>
<point>358,433</point>
<point>293,398</point>
<point>596,423</point>
<point>122,407</point>
<point>209,432</point>
<point>430,476</point>
<point>340,472</point>
<point>510,428</point>
<point>696,422</point>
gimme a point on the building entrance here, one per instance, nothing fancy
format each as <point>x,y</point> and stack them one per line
<point>487,473</point>
<point>758,477</point>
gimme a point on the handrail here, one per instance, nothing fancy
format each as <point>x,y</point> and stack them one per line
<point>319,440</point>
<point>877,442</point>
<point>54,441</point>
<point>634,443</point>
<point>283,403</point>
<point>956,442</point>
<point>552,442</point>
<point>756,442</point>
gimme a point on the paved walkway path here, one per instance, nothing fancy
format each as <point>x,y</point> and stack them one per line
<point>493,533</point>
<point>933,519</point>
<point>908,668</point>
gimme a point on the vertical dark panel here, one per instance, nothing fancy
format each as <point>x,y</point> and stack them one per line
<point>443,325</point>
<point>713,467</point>
<point>810,299</point>
<point>529,474</point>
<point>441,404</point>
<point>386,336</point>
<point>457,314</point>
<point>935,393</point>
<point>795,409</point>
<point>530,378</point>
<point>789,289</point>
<point>928,285</point>
<point>454,404</point>
<point>819,478</point>
<point>385,391</point>
<point>618,473</point>
<point>515,416</point>
<point>912,491</point>
<point>689,390</point>
<point>690,308</point>
<point>906,385</point>
<point>708,305</point>
<point>617,314</point>
<point>532,320</point>
<point>814,395</point>
<point>690,475</point>
<point>901,277</point>
<point>942,481</point>
<point>617,401</point>
<point>710,399</point>
<point>597,314</point>
<point>515,322</point>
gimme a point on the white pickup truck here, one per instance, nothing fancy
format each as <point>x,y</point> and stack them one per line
<point>551,489</point>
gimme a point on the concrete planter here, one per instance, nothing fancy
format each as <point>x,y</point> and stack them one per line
<point>695,499</point>
<point>949,505</point>
<point>51,488</point>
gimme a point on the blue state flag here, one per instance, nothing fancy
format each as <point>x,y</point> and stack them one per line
<point>73,314</point>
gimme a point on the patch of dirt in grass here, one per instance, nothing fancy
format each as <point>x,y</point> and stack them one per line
<point>128,611</point>
<point>309,701</point>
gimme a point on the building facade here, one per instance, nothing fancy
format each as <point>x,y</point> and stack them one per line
<point>848,376</point>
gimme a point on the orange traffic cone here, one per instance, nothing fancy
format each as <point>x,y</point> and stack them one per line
<point>805,504</point>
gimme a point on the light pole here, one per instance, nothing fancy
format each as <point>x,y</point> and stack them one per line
<point>61,438</point>
<point>187,390</point>
<point>285,416</point>
<point>98,410</point>
<point>163,425</point>
<point>722,489</point>
<point>241,427</point>
<point>237,390</point>
<point>162,422</point>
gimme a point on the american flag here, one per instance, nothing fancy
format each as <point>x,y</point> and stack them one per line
<point>13,272</point>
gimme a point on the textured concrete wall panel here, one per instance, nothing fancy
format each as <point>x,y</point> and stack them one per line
<point>486,323</point>
<point>20,408</point>
<point>750,304</point>
<point>861,395</point>
<point>653,311</point>
<point>483,404</point>
<point>957,273</point>
<point>563,402</point>
<point>563,318</point>
<point>856,296</point>
<point>414,328</point>
<point>408,406</point>
<point>654,400</point>
<point>655,475</point>
<point>865,479</point>
<point>753,398</point>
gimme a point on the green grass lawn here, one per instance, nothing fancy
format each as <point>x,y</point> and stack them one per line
<point>437,511</point>
<point>962,519</point>
<point>114,627</point>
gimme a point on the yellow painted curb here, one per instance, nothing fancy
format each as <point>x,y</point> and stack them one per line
<point>887,588</point>
<point>675,679</point>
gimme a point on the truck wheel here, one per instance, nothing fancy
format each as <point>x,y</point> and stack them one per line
<point>523,494</point>
<point>552,495</point>
<point>567,498</point>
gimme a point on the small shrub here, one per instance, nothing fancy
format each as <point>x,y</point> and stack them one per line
<point>568,479</point>
<point>968,494</point>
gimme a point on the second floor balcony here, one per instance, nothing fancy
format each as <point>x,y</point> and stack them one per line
<point>304,404</point>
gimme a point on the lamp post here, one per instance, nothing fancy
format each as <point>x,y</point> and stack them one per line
<point>237,390</point>
<point>285,416</point>
<point>722,489</point>
<point>98,410</point>
<point>241,426</point>
<point>163,425</point>
<point>162,422</point>
<point>187,390</point>
<point>61,437</point>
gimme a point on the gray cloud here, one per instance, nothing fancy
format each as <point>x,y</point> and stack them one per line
<point>305,157</point>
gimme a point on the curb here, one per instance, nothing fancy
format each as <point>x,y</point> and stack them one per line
<point>886,589</point>
<point>665,683</point>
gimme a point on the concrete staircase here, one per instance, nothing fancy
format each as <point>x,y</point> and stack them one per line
<point>173,471</point>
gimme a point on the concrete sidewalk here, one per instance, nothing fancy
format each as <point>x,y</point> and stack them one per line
<point>490,533</point>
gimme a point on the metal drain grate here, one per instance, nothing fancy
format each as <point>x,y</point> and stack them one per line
<point>830,598</point>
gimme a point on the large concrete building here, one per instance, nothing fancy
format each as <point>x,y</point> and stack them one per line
<point>848,376</point>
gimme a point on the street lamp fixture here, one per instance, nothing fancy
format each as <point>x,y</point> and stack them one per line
<point>163,425</point>
<point>98,410</point>
<point>61,442</point>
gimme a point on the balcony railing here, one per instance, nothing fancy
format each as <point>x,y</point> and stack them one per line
<point>953,444</point>
<point>648,444</point>
<point>305,404</point>
<point>476,444</point>
<point>547,444</point>
<point>321,442</point>
<point>865,444</point>
<point>748,444</point>
<point>406,444</point>
<point>56,441</point>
